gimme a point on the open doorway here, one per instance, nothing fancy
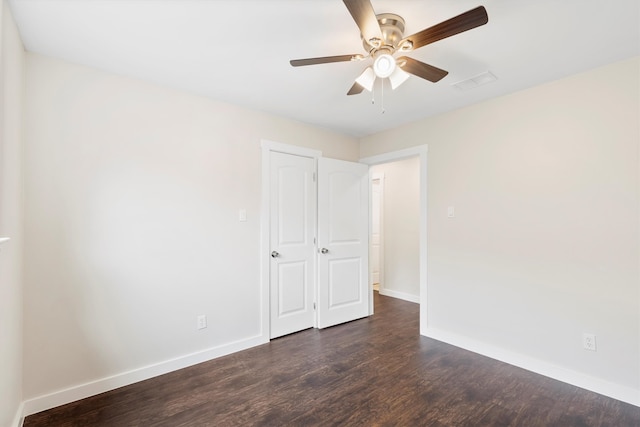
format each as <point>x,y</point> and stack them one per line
<point>420,153</point>
<point>395,228</point>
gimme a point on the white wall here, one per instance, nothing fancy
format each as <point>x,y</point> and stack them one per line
<point>131,200</point>
<point>11,85</point>
<point>545,243</point>
<point>132,194</point>
<point>401,221</point>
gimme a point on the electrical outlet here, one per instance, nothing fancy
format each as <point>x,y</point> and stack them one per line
<point>589,342</point>
<point>202,321</point>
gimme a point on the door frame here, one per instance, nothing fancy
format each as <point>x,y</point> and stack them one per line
<point>265,219</point>
<point>421,152</point>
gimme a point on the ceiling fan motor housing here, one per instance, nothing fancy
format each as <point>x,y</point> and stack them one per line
<point>392,28</point>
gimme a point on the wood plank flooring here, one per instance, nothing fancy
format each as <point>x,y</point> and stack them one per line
<point>376,371</point>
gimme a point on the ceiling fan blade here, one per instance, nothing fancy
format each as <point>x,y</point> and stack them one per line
<point>365,17</point>
<point>355,89</point>
<point>322,60</point>
<point>456,25</point>
<point>420,69</point>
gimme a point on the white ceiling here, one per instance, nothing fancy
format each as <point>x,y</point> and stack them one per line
<point>238,51</point>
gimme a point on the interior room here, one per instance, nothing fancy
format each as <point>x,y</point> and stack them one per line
<point>135,205</point>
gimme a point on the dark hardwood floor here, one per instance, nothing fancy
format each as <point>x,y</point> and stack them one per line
<point>371,372</point>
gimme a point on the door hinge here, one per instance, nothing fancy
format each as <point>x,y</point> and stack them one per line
<point>314,177</point>
<point>314,305</point>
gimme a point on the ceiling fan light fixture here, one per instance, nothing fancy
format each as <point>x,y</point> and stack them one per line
<point>382,36</point>
<point>384,65</point>
<point>366,79</point>
<point>398,77</point>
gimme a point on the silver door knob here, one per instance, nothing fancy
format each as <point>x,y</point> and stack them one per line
<point>324,250</point>
<point>275,254</point>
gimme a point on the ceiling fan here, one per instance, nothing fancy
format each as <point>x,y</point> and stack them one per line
<point>383,36</point>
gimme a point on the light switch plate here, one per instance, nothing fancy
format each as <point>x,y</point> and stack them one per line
<point>451,212</point>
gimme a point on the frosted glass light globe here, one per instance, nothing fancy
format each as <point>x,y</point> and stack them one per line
<point>384,65</point>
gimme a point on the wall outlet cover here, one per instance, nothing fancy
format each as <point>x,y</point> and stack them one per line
<point>202,321</point>
<point>589,341</point>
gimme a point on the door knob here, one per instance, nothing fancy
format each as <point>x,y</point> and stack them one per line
<point>324,250</point>
<point>275,254</point>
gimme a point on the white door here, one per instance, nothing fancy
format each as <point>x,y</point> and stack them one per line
<point>376,228</point>
<point>343,230</point>
<point>292,248</point>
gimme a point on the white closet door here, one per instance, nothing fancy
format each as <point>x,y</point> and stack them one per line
<point>343,230</point>
<point>292,248</point>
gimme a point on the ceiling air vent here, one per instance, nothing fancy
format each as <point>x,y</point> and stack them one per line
<point>479,80</point>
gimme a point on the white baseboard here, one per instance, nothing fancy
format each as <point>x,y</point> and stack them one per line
<point>399,295</point>
<point>81,391</point>
<point>597,385</point>
<point>18,420</point>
